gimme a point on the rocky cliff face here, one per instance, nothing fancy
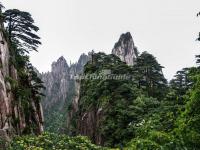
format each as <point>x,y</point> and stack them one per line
<point>6,96</point>
<point>56,83</point>
<point>13,118</point>
<point>125,49</point>
<point>61,89</point>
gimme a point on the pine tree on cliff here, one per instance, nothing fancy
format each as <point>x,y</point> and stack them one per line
<point>21,29</point>
<point>22,38</point>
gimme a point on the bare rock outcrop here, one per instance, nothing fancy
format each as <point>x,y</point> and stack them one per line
<point>12,115</point>
<point>61,89</point>
<point>125,49</point>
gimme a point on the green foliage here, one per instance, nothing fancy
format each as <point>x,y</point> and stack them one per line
<point>189,121</point>
<point>148,72</point>
<point>177,121</point>
<point>20,27</point>
<point>181,83</point>
<point>48,141</point>
<point>143,109</point>
<point>13,83</point>
<point>155,140</point>
<point>99,94</point>
<point>125,105</point>
<point>4,144</point>
<point>55,118</point>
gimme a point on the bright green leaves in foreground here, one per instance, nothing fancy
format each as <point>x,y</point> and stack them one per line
<point>50,141</point>
<point>189,121</point>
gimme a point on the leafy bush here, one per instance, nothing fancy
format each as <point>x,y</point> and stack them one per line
<point>48,141</point>
<point>155,140</point>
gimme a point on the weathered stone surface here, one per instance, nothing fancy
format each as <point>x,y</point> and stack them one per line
<point>11,109</point>
<point>74,106</point>
<point>60,84</point>
<point>56,83</point>
<point>5,94</point>
<point>125,49</point>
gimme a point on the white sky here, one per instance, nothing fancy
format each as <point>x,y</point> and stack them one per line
<point>165,28</point>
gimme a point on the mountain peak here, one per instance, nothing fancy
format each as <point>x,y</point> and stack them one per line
<point>125,49</point>
<point>83,59</point>
<point>60,65</point>
<point>126,37</point>
<point>61,59</point>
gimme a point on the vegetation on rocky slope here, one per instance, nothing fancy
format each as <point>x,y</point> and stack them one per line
<point>143,108</point>
<point>19,35</point>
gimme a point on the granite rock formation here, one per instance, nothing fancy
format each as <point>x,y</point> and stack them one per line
<point>60,91</point>
<point>125,49</point>
<point>13,118</point>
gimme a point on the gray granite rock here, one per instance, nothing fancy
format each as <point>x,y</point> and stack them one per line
<point>125,49</point>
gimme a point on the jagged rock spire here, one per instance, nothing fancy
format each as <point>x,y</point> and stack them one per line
<point>60,66</point>
<point>125,49</point>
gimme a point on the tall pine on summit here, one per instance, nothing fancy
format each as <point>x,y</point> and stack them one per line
<point>149,74</point>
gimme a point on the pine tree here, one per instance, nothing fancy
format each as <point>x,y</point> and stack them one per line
<point>21,28</point>
<point>148,73</point>
<point>22,38</point>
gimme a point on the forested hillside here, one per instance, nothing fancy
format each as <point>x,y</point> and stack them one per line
<point>142,107</point>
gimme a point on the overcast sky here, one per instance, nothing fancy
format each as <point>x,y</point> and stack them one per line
<point>165,28</point>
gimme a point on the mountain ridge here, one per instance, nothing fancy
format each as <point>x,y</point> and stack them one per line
<point>59,84</point>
